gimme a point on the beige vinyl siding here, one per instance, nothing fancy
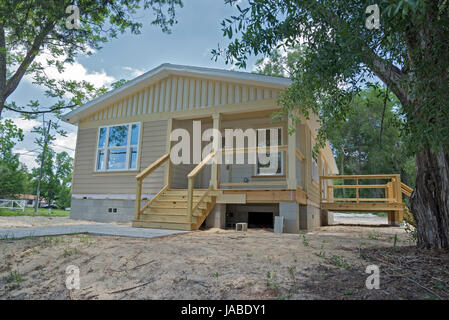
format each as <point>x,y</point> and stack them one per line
<point>179,93</point>
<point>86,181</point>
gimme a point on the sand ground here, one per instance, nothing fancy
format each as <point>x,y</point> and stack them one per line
<point>211,264</point>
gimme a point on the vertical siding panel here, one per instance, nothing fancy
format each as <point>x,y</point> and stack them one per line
<point>237,94</point>
<point>258,94</point>
<point>167,95</point>
<point>191,93</point>
<point>179,94</point>
<point>203,93</point>
<point>251,94</point>
<point>197,93</point>
<point>162,97</point>
<point>230,94</point>
<point>223,93</point>
<point>174,92</point>
<point>266,94</point>
<point>156,98</point>
<point>150,100</point>
<point>210,90</point>
<point>145,101</point>
<point>216,93</point>
<point>185,98</point>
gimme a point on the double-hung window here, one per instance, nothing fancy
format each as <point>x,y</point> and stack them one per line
<point>263,140</point>
<point>118,147</point>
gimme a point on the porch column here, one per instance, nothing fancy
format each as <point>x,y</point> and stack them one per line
<point>167,174</point>
<point>214,173</point>
<point>292,182</point>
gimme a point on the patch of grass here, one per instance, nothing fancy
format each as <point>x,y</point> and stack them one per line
<point>304,239</point>
<point>374,235</point>
<point>340,262</point>
<point>14,276</point>
<point>69,252</point>
<point>270,280</point>
<point>42,212</point>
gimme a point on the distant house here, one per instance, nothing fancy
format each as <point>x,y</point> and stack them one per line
<point>123,154</point>
<point>30,199</point>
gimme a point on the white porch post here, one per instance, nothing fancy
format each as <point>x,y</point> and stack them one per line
<point>214,174</point>
<point>292,182</point>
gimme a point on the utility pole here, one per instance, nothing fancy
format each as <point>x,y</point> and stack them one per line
<point>44,149</point>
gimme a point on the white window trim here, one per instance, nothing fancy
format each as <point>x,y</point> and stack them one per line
<point>127,147</point>
<point>282,173</point>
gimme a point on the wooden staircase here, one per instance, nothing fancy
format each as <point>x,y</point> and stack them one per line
<point>169,210</point>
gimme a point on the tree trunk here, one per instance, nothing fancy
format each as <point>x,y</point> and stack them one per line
<point>430,199</point>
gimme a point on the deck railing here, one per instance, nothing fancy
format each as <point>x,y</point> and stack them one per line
<point>393,188</point>
<point>140,178</point>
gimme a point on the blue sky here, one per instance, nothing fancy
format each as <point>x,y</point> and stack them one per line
<point>190,43</point>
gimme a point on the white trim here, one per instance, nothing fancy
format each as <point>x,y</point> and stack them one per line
<point>165,70</point>
<point>82,196</point>
<point>127,148</point>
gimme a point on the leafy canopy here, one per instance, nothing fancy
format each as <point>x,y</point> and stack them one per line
<point>409,53</point>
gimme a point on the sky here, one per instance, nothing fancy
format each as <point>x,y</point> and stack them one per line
<point>198,32</point>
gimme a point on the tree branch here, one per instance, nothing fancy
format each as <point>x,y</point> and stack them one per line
<point>14,81</point>
<point>39,112</point>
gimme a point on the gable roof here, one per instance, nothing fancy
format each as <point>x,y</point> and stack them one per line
<point>165,70</point>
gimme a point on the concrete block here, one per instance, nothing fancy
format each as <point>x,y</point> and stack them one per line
<point>97,210</point>
<point>327,218</point>
<point>278,224</point>
<point>290,212</point>
<point>217,217</point>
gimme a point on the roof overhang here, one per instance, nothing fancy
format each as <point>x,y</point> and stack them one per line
<point>162,72</point>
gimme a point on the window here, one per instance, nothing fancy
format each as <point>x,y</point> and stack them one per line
<point>117,147</point>
<point>263,140</point>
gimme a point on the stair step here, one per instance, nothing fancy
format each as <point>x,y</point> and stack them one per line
<point>175,204</point>
<point>162,225</point>
<point>166,218</point>
<point>182,211</point>
<point>184,198</point>
<point>184,191</point>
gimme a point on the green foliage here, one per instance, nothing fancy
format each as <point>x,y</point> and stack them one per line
<point>38,28</point>
<point>409,53</point>
<point>13,176</point>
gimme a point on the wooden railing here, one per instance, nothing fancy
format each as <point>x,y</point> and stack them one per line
<point>393,188</point>
<point>190,181</point>
<point>140,177</point>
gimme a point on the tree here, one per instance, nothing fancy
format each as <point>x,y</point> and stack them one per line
<point>12,173</point>
<point>409,53</point>
<point>29,28</point>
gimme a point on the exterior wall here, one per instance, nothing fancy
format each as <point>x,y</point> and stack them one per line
<point>182,93</point>
<point>98,210</point>
<point>86,181</point>
<point>290,212</point>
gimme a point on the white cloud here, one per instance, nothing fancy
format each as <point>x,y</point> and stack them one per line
<point>25,125</point>
<point>27,158</point>
<point>66,144</point>
<point>134,72</point>
<point>74,71</point>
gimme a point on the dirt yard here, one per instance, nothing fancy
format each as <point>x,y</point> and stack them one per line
<point>329,263</point>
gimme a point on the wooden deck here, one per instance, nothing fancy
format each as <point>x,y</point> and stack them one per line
<point>391,202</point>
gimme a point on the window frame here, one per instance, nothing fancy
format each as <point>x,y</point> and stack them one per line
<point>128,147</point>
<point>282,173</point>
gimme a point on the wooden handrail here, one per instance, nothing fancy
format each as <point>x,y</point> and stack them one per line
<point>190,181</point>
<point>299,155</point>
<point>393,189</point>
<point>156,164</point>
<point>140,177</point>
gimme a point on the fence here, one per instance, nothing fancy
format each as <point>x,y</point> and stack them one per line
<point>12,204</point>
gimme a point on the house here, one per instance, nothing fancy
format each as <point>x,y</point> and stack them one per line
<point>125,167</point>
<point>29,198</point>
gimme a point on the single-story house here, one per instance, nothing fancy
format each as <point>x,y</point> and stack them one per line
<point>125,170</point>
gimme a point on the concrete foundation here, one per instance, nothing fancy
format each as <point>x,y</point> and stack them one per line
<point>102,210</point>
<point>309,217</point>
<point>217,217</point>
<point>290,212</point>
<point>327,218</point>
